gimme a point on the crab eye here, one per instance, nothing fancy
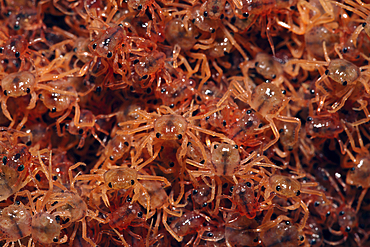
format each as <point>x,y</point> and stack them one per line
<point>20,168</point>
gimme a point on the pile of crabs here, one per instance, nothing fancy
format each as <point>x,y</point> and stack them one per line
<point>184,123</point>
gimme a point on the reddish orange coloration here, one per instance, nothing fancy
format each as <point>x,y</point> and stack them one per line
<point>184,123</point>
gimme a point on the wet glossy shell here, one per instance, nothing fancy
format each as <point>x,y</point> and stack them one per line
<point>244,128</point>
<point>81,46</point>
<point>15,46</point>
<point>214,234</point>
<point>210,91</point>
<point>87,119</point>
<point>285,186</point>
<point>150,63</point>
<point>281,235</point>
<point>120,178</point>
<point>267,98</point>
<point>168,153</point>
<point>201,22</point>
<point>202,194</point>
<point>315,238</point>
<point>188,223</point>
<point>106,45</point>
<point>225,159</point>
<point>117,147</point>
<point>75,205</point>
<point>316,36</point>
<point>177,92</point>
<point>343,71</point>
<point>242,23</point>
<point>10,181</point>
<point>18,84</point>
<point>40,134</point>
<point>24,18</point>
<point>218,119</point>
<point>347,217</point>
<point>158,196</point>
<point>56,100</point>
<point>19,158</point>
<point>141,26</point>
<point>323,209</point>
<point>238,232</point>
<point>170,127</point>
<point>137,4</point>
<point>324,126</point>
<point>45,228</point>
<point>214,8</point>
<point>193,152</point>
<point>15,222</point>
<point>221,47</point>
<point>267,66</point>
<point>176,33</point>
<point>129,113</point>
<point>287,134</point>
<point>245,199</point>
<point>359,175</point>
<point>122,217</point>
